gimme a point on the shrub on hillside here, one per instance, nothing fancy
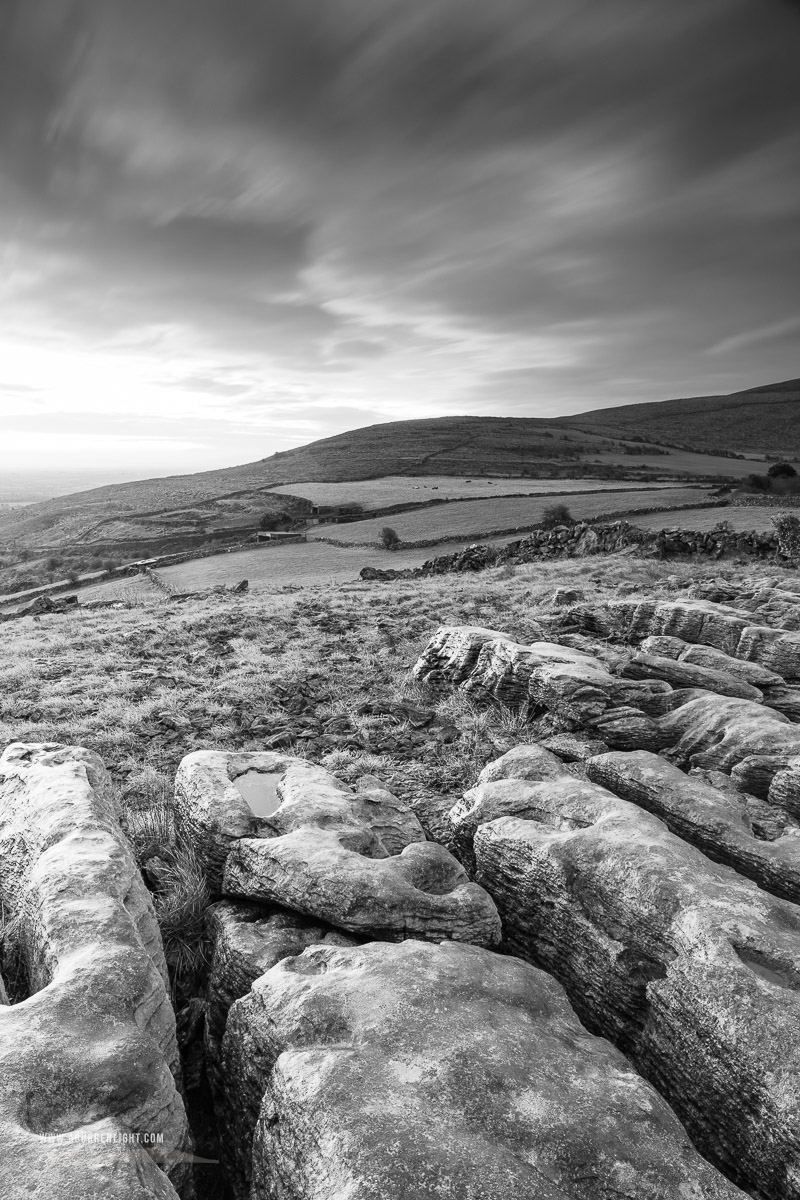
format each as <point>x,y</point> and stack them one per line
<point>781,469</point>
<point>787,527</point>
<point>390,538</point>
<point>556,514</point>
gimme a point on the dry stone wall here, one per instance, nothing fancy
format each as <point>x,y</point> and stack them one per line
<point>582,539</point>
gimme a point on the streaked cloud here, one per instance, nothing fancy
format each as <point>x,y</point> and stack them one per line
<point>276,221</point>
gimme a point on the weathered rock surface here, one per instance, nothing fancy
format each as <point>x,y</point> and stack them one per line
<point>785,699</point>
<point>545,676</point>
<point>784,787</point>
<point>715,660</point>
<point>246,940</point>
<point>691,970</point>
<point>754,838</point>
<point>452,653</point>
<point>718,732</point>
<point>691,620</point>
<point>91,1053</point>
<point>570,748</point>
<point>357,860</point>
<point>664,647</point>
<point>413,1070</point>
<point>330,873</point>
<point>681,673</point>
<point>528,761</point>
<point>213,813</point>
<point>731,630</point>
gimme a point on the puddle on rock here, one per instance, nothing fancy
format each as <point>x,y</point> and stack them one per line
<point>260,790</point>
<point>777,977</point>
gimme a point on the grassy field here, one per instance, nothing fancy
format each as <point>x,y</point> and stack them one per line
<point>274,567</point>
<point>741,519</point>
<point>473,517</point>
<point>684,462</point>
<point>415,489</point>
<point>147,684</point>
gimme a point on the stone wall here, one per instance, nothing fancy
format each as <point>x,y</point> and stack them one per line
<point>583,539</point>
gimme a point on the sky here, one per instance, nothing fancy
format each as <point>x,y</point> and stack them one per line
<point>229,227</point>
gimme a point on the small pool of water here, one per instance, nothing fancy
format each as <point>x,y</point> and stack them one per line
<point>779,978</point>
<point>260,790</point>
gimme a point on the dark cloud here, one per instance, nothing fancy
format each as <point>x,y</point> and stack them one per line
<point>586,192</point>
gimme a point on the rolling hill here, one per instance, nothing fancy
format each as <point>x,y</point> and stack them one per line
<point>607,443</point>
<point>765,419</point>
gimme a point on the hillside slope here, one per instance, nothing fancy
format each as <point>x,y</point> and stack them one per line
<point>615,443</point>
<point>765,419</point>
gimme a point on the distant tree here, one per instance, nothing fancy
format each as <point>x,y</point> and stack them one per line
<point>759,483</point>
<point>269,521</point>
<point>556,514</point>
<point>781,469</point>
<point>390,538</point>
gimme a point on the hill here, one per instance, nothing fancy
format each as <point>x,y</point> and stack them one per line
<point>762,419</point>
<point>152,515</point>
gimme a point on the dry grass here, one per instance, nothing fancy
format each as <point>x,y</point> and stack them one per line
<point>147,684</point>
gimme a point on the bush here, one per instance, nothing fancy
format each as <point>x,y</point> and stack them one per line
<point>390,538</point>
<point>781,469</point>
<point>556,514</point>
<point>787,527</point>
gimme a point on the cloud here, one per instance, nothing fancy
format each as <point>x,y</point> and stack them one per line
<point>402,209</point>
<point>752,337</point>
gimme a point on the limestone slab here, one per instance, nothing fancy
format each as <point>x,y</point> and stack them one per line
<point>418,1070</point>
<point>689,968</point>
<point>726,825</point>
<point>88,1060</point>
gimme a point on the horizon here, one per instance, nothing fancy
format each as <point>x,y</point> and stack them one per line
<point>230,230</point>
<point>16,487</point>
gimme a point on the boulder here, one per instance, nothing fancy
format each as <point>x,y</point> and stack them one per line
<point>681,673</point>
<point>570,748</point>
<point>245,941</point>
<point>754,774</point>
<point>528,761</point>
<point>89,1061</point>
<point>784,788</point>
<point>726,825</point>
<point>715,660</point>
<point>691,970</point>
<point>774,649</point>
<point>560,680</point>
<point>451,654</point>
<point>328,871</point>
<point>221,797</point>
<point>417,1070</point>
<point>719,731</point>
<point>627,728</point>
<point>784,699</point>
<point>688,619</point>
<point>664,647</point>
